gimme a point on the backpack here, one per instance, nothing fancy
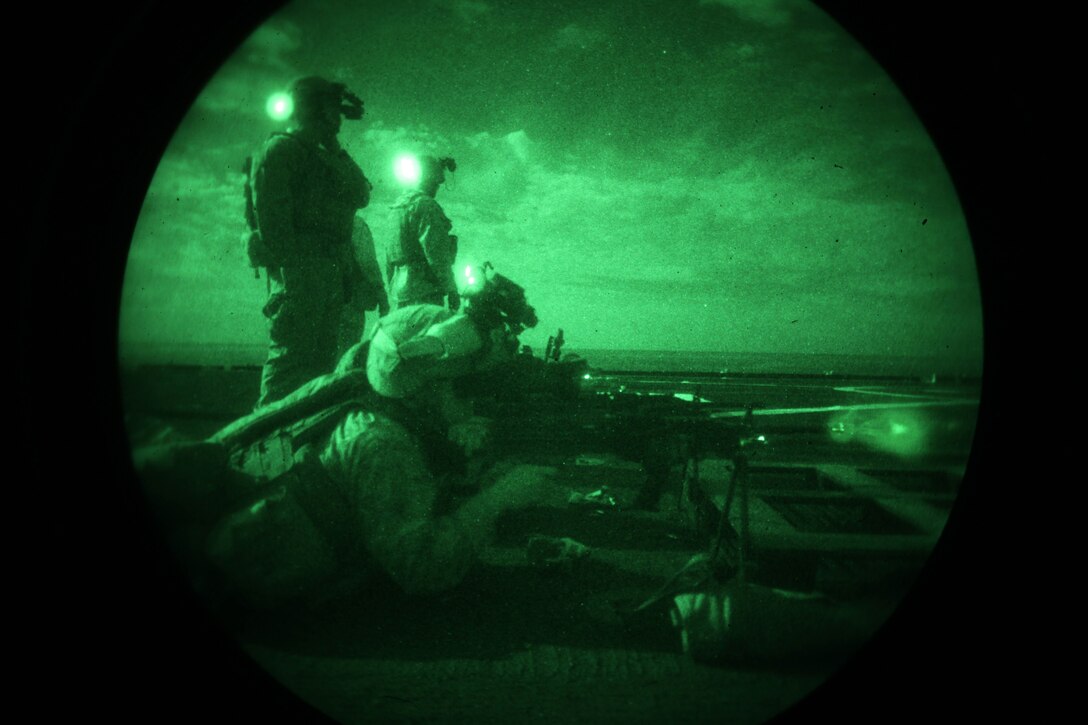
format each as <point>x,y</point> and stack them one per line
<point>263,444</point>
<point>257,252</point>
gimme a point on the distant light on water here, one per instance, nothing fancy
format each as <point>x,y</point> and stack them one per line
<point>903,432</point>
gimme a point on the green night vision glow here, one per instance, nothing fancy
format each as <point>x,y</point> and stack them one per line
<point>901,432</point>
<point>406,169</point>
<point>279,106</point>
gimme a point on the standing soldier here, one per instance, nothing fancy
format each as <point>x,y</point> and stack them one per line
<point>419,260</point>
<point>306,190</point>
<point>367,294</point>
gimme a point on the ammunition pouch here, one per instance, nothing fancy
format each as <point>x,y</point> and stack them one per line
<point>257,252</point>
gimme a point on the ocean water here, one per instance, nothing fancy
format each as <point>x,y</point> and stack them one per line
<point>757,363</point>
<point>674,361</point>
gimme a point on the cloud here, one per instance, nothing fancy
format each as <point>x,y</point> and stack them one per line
<point>577,36</point>
<point>772,13</point>
<point>187,279</point>
<point>236,94</point>
<point>708,234</point>
<point>468,12</point>
<point>189,228</point>
<point>272,44</point>
<point>742,50</point>
<point>520,144</point>
<point>263,65</point>
<point>762,238</point>
<point>376,146</point>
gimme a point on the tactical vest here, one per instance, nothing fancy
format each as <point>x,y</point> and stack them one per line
<point>298,537</point>
<point>406,249</point>
<point>322,217</point>
<point>265,443</point>
<point>257,253</point>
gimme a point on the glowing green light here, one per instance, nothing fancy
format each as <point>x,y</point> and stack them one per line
<point>472,280</point>
<point>587,376</point>
<point>406,168</point>
<point>279,106</point>
<point>907,434</point>
<point>468,271</point>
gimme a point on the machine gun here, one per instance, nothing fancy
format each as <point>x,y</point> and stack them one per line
<point>559,409</point>
<point>495,301</point>
<point>560,406</point>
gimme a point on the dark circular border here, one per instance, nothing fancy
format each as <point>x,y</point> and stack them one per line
<point>115,628</point>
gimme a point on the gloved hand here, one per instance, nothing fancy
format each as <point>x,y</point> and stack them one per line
<point>454,301</point>
<point>332,144</point>
<point>471,434</point>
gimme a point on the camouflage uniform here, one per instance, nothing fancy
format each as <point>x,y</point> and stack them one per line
<point>370,293</point>
<point>419,261</point>
<point>362,507</point>
<point>305,198</point>
<point>355,488</point>
<point>337,487</point>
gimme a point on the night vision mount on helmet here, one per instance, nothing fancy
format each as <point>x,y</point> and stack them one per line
<point>351,106</point>
<point>312,91</point>
<point>493,301</point>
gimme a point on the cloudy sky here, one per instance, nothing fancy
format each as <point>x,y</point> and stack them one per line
<point>718,175</point>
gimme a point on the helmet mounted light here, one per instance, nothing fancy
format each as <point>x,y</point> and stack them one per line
<point>495,301</point>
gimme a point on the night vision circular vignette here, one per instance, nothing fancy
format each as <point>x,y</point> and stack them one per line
<point>722,447</point>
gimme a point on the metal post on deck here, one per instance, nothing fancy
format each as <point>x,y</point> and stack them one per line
<point>739,478</point>
<point>741,473</point>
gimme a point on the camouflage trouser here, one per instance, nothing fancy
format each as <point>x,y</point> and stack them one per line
<point>352,328</point>
<point>285,546</point>
<point>413,284</point>
<point>247,540</point>
<point>304,311</point>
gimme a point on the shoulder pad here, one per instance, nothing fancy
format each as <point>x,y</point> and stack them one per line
<point>280,148</point>
<point>277,137</point>
<point>281,140</point>
<point>427,203</point>
<point>408,198</point>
